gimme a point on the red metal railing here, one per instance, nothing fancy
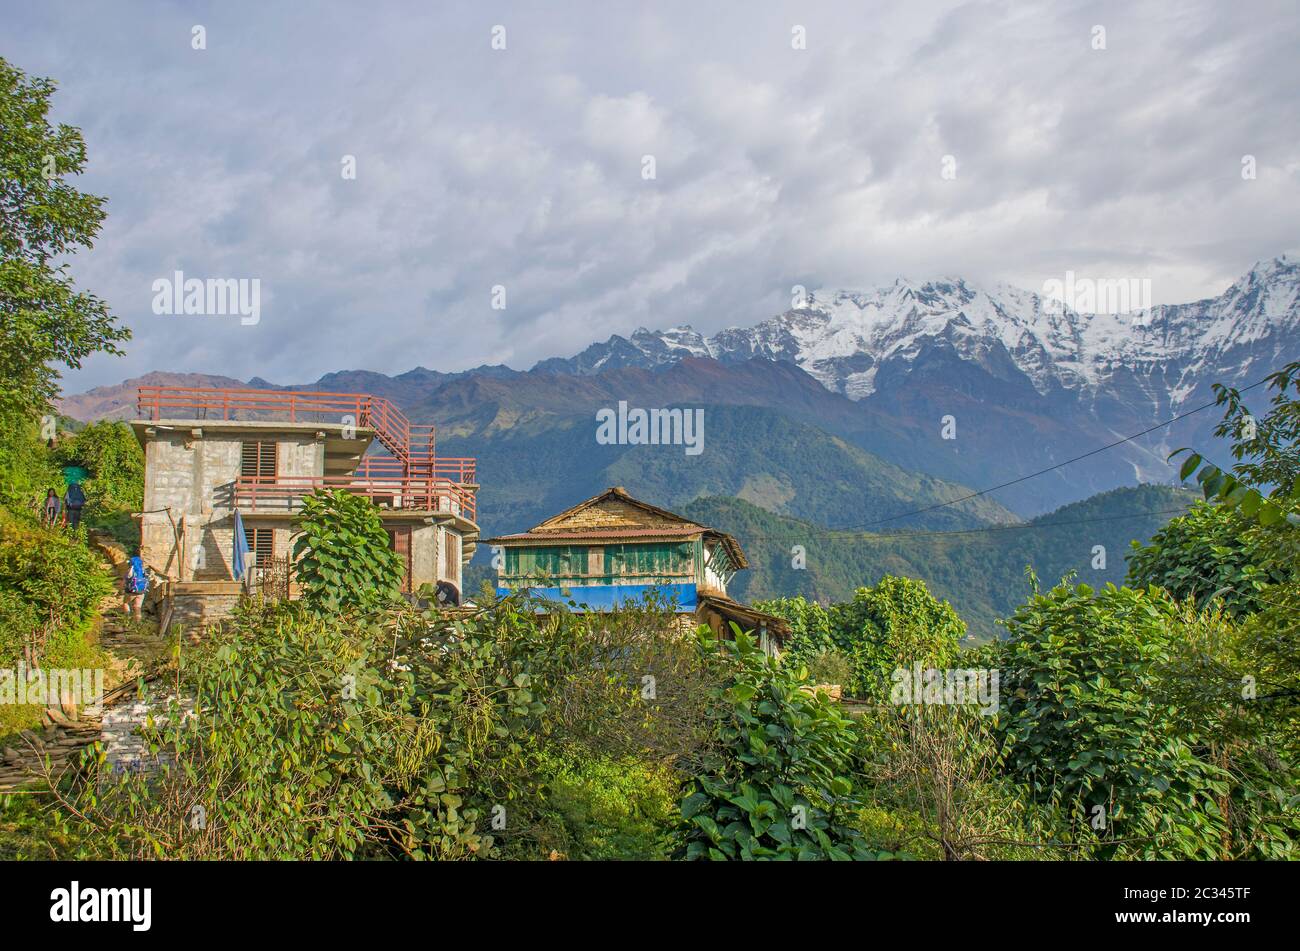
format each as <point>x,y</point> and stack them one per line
<point>268,494</point>
<point>410,476</point>
<point>183,402</point>
<point>449,468</point>
<point>393,430</point>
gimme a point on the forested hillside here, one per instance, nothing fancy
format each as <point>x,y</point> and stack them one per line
<point>981,571</point>
<point>531,471</point>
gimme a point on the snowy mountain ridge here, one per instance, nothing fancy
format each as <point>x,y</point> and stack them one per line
<point>845,339</point>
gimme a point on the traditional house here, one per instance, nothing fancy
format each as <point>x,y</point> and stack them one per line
<point>217,458</point>
<point>613,549</point>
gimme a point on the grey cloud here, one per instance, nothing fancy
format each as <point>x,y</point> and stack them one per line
<point>522,168</point>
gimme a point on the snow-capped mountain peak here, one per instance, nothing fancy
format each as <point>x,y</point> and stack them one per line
<point>847,338</point>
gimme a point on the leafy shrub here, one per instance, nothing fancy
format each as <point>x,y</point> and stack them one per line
<point>314,736</point>
<point>1211,552</point>
<point>810,627</point>
<point>602,808</point>
<point>407,734</point>
<point>777,786</point>
<point>115,487</point>
<point>934,787</point>
<point>50,589</point>
<point>1091,728</point>
<point>830,667</point>
<point>343,558</point>
<point>893,624</point>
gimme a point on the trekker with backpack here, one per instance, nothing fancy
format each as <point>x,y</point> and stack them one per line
<point>74,500</point>
<point>53,505</point>
<point>135,585</point>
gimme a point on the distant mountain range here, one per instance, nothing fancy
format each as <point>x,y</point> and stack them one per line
<point>862,343</point>
<point>835,411</point>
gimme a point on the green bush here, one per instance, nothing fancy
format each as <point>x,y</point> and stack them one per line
<point>1212,552</point>
<point>1090,725</point>
<point>409,734</point>
<point>894,624</point>
<point>778,784</point>
<point>342,558</point>
<point>602,807</point>
<point>830,667</point>
<point>50,589</point>
<point>109,451</point>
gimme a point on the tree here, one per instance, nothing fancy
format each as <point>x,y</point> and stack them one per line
<point>1265,482</point>
<point>45,322</point>
<point>895,624</point>
<point>1211,553</point>
<point>1091,727</point>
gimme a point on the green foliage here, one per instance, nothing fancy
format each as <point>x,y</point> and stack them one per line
<point>1092,729</point>
<point>112,455</point>
<point>27,469</point>
<point>315,737</point>
<point>406,734</point>
<point>934,788</point>
<point>810,628</point>
<point>830,666</point>
<point>1211,552</point>
<point>50,588</point>
<point>1265,483</point>
<point>1227,682</point>
<point>778,785</point>
<point>343,558</point>
<point>604,808</point>
<point>894,624</point>
<point>44,320</point>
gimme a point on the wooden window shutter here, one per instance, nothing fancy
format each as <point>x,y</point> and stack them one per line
<point>261,542</point>
<point>451,556</point>
<point>258,459</point>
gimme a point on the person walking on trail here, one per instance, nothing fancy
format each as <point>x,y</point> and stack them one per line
<point>74,500</point>
<point>134,586</point>
<point>53,505</point>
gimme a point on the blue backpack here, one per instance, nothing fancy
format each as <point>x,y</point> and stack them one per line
<point>136,582</point>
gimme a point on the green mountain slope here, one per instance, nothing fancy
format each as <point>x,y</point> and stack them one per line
<point>981,572</point>
<point>532,470</point>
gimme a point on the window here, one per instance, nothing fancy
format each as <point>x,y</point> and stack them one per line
<point>552,561</point>
<point>261,542</point>
<point>673,558</point>
<point>399,540</point>
<point>258,459</point>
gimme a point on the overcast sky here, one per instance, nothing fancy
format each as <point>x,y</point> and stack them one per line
<point>523,167</point>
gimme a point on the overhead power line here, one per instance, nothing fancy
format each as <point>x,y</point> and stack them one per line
<point>832,533</point>
<point>1059,465</point>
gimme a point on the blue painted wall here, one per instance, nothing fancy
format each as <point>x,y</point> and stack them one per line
<point>605,597</point>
